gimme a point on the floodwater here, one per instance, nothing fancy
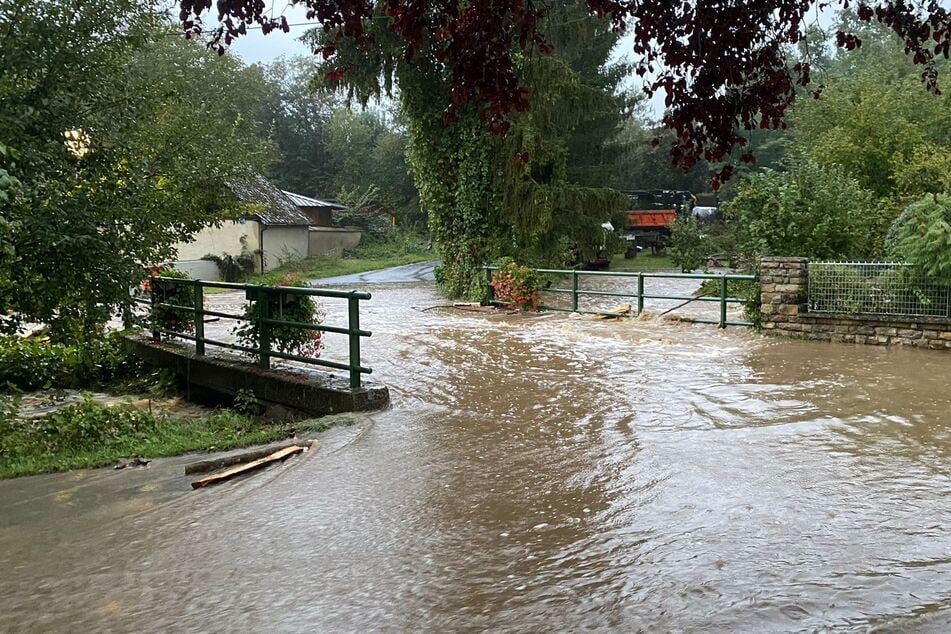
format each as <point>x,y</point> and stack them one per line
<point>534,473</point>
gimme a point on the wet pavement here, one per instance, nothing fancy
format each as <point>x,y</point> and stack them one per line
<point>534,473</point>
<point>418,272</point>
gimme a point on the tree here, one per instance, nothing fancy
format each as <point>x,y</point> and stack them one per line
<point>526,194</point>
<point>874,119</point>
<point>300,122</point>
<point>123,138</point>
<point>810,211</point>
<point>724,66</point>
<point>922,236</point>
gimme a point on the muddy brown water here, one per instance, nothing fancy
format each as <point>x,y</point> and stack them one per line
<point>534,473</point>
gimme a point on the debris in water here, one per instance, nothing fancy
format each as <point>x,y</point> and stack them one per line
<point>135,462</point>
<point>222,476</point>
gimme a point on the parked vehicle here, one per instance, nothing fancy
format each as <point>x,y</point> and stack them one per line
<point>651,216</point>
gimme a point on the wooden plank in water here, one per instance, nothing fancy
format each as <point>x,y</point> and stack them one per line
<point>247,467</point>
<point>220,462</point>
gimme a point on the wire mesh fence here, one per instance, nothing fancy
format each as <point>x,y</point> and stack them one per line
<point>875,288</point>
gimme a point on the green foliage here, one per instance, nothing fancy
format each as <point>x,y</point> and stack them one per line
<point>91,435</point>
<point>688,247</point>
<point>516,285</point>
<point>809,211</point>
<point>922,236</point>
<point>160,128</point>
<point>536,194</point>
<point>176,294</point>
<point>287,307</point>
<point>362,209</point>
<point>874,119</point>
<point>234,268</point>
<point>29,364</point>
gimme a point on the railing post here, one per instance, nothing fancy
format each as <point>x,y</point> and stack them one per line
<point>156,335</point>
<point>490,292</point>
<point>574,291</point>
<point>723,296</point>
<point>640,293</point>
<point>199,318</point>
<point>264,328</point>
<point>353,325</point>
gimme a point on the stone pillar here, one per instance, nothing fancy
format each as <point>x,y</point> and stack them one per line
<point>783,289</point>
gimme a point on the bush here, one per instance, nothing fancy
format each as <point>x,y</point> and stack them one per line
<point>233,268</point>
<point>809,211</point>
<point>921,236</point>
<point>516,285</point>
<point>289,307</point>
<point>178,294</point>
<point>688,248</point>
<point>29,364</point>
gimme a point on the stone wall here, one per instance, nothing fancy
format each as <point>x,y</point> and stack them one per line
<point>784,284</point>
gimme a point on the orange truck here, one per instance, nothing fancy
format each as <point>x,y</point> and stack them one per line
<point>651,216</point>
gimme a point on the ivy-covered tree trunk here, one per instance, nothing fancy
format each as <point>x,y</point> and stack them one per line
<point>452,165</point>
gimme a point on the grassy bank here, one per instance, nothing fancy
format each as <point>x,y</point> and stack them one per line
<point>643,262</point>
<point>365,257</point>
<point>89,435</point>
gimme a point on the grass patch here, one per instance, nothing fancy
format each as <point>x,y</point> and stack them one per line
<point>89,434</point>
<point>365,257</point>
<point>643,262</point>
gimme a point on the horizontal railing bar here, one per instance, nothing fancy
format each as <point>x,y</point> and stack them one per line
<point>321,362</point>
<point>190,309</point>
<point>653,274</point>
<point>231,346</point>
<point>607,293</point>
<point>215,313</point>
<point>290,290</point>
<point>273,322</point>
<point>306,326</point>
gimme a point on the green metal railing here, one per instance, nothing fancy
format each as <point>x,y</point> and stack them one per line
<point>640,293</point>
<point>266,321</point>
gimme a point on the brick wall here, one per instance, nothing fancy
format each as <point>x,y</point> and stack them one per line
<point>784,284</point>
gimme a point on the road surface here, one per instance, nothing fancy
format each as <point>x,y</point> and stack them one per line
<point>418,272</point>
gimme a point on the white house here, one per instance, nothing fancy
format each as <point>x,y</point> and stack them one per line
<point>276,231</point>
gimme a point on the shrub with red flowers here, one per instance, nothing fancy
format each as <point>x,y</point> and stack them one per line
<point>290,307</point>
<point>516,285</point>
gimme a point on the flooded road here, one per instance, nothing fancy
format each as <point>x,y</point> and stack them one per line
<point>534,473</point>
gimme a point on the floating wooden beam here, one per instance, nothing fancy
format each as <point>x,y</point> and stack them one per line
<point>222,476</point>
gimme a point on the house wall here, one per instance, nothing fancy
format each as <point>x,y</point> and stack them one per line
<point>220,240</point>
<point>331,241</point>
<point>282,243</point>
<point>198,269</point>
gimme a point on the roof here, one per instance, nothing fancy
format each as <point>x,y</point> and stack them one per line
<point>277,207</point>
<point>306,201</point>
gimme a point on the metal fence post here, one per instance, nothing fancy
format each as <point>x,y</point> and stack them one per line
<point>574,291</point>
<point>353,325</point>
<point>199,318</point>
<point>640,293</point>
<point>264,328</point>
<point>723,296</point>
<point>156,335</point>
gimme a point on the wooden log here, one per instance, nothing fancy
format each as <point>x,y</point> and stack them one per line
<point>220,462</point>
<point>248,467</point>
